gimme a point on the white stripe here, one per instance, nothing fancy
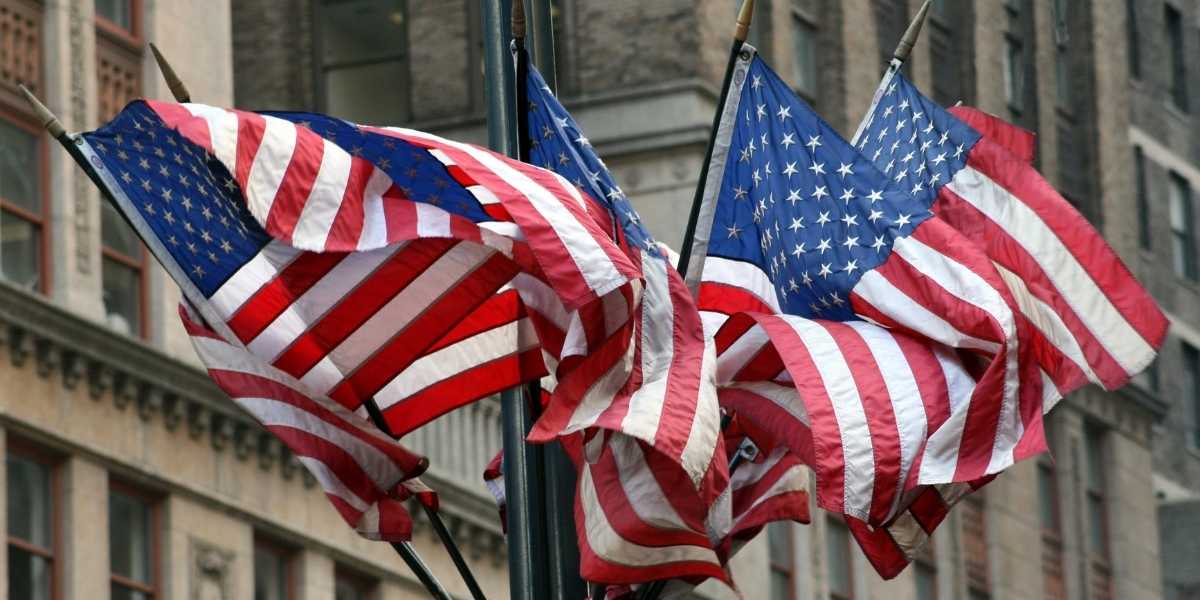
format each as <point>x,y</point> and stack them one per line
<point>306,311</point>
<point>641,488</point>
<point>907,404</point>
<point>271,161</point>
<point>222,131</point>
<point>838,380</point>
<point>600,394</point>
<point>324,199</point>
<point>657,351</point>
<point>1046,320</point>
<point>940,458</point>
<point>706,422</point>
<point>251,277</point>
<point>712,322</point>
<point>742,275</point>
<point>274,413</point>
<point>1069,278</point>
<point>421,293</point>
<point>783,396</point>
<point>433,368</point>
<point>432,222</point>
<point>740,353</point>
<point>374,227</point>
<point>891,301</point>
<point>331,484</point>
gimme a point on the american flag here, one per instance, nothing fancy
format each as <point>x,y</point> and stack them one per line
<point>347,263</point>
<point>870,336</point>
<point>1091,320</point>
<point>1088,319</point>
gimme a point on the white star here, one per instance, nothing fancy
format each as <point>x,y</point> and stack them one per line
<point>902,221</point>
<point>793,196</point>
<point>797,224</point>
<point>958,151</point>
<point>926,144</point>
<point>899,176</point>
<point>798,250</point>
<point>826,271</point>
<point>900,125</point>
<point>562,121</point>
<point>793,286</point>
<point>823,218</point>
<point>763,139</point>
<point>820,192</point>
<point>850,242</point>
<point>805,279</point>
<point>768,168</point>
<point>745,155</point>
<point>735,232</point>
<point>907,157</point>
<point>824,245</point>
<point>845,170</point>
<point>891,165</point>
<point>936,178</point>
<point>785,112</point>
<point>917,116</point>
<point>756,177</point>
<point>833,296</point>
<point>813,143</point>
<point>921,169</point>
<point>740,193</point>
<point>920,187</point>
<point>788,140</point>
<point>887,112</point>
<point>882,134</point>
<point>814,307</point>
<point>928,128</point>
<point>847,195</point>
<point>895,146</point>
<point>582,141</point>
<point>875,215</point>
<point>817,168</point>
<point>875,196</point>
<point>878,151</point>
<point>945,136</point>
<point>939,159</point>
<point>879,244</point>
<point>762,111</point>
<point>850,220</point>
<point>790,170</point>
<point>904,104</point>
<point>891,89</point>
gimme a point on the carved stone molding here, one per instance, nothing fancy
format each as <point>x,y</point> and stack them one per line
<point>209,571</point>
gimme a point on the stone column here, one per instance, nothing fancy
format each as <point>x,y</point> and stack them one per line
<point>84,568</point>
<point>314,575</point>
<point>1132,520</point>
<point>205,553</point>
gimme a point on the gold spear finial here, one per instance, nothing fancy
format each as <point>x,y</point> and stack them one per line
<point>49,121</point>
<point>175,84</point>
<point>518,19</point>
<point>745,15</point>
<point>912,33</point>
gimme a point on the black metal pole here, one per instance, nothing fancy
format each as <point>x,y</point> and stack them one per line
<point>527,577</point>
<point>418,566</point>
<point>452,549</point>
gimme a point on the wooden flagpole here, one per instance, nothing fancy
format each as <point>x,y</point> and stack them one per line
<point>407,553</point>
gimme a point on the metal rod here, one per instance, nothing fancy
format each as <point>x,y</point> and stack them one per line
<point>741,30</point>
<point>456,556</point>
<point>174,83</point>
<point>418,566</point>
<point>903,49</point>
<point>52,125</point>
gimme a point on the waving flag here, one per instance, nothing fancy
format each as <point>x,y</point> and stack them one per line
<point>1091,320</point>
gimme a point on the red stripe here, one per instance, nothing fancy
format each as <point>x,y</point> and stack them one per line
<point>1079,237</point>
<point>195,129</point>
<point>249,137</point>
<point>400,214</point>
<point>931,381</point>
<point>1017,140</point>
<point>358,306</point>
<point>273,298</point>
<point>417,335</point>
<point>501,309</point>
<point>336,459</point>
<point>296,185</point>
<point>395,524</point>
<point>881,420</point>
<point>623,518</point>
<point>348,224</point>
<point>781,426</point>
<point>728,298</point>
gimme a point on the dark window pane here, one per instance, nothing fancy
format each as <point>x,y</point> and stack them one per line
<point>1097,537</point>
<point>804,47</point>
<point>837,551</point>
<point>1191,388</point>
<point>780,543</point>
<point>1182,243</point>
<point>363,55</point>
<point>1014,74</point>
<point>116,234</point>
<point>129,543</point>
<point>358,30</point>
<point>348,589</point>
<point>781,585</point>
<point>29,501</point>
<point>1134,41</point>
<point>120,592</point>
<point>1175,47</point>
<point>122,296</point>
<point>1143,202</point>
<point>373,94</point>
<point>20,173</point>
<point>117,11</point>
<point>1048,498</point>
<point>926,581</point>
<point>28,575</point>
<point>270,575</point>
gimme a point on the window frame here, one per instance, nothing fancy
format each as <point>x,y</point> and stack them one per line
<point>52,461</point>
<point>1014,85</point>
<point>788,570</point>
<point>153,502</point>
<point>131,37</point>
<point>1100,563</point>
<point>321,70</point>
<point>286,554</point>
<point>926,559</point>
<point>141,265</point>
<point>802,19</point>
<point>1133,40</point>
<point>1142,198</point>
<point>363,583</point>
<point>1191,360</point>
<point>1052,538</point>
<point>1187,236</point>
<point>1177,63</point>
<point>847,555</point>
<point>22,120</point>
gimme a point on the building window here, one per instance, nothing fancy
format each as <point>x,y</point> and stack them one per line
<point>120,15</point>
<point>946,53</point>
<point>1050,517</point>
<point>32,506</point>
<point>363,60</point>
<point>1062,55</point>
<point>782,560</point>
<point>349,585</point>
<point>804,54</point>
<point>1014,74</point>
<point>1191,388</point>
<point>22,206</point>
<point>124,273</point>
<point>1183,248</point>
<point>1143,200</point>
<point>132,544</point>
<point>975,545</point>
<point>837,554</point>
<point>891,19</point>
<point>1175,48</point>
<point>272,571</point>
<point>925,572</point>
<point>1133,40</point>
<point>1097,512</point>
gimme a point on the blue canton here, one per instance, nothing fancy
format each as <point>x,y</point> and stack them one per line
<point>915,142</point>
<point>191,203</point>
<point>558,144</point>
<point>802,204</point>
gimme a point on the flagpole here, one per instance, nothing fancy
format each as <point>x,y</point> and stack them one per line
<point>741,30</point>
<point>903,49</point>
<point>523,488</point>
<point>562,545</point>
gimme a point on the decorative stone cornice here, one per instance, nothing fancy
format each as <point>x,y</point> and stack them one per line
<point>161,389</point>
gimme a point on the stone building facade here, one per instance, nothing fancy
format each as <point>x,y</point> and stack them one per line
<point>125,471</point>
